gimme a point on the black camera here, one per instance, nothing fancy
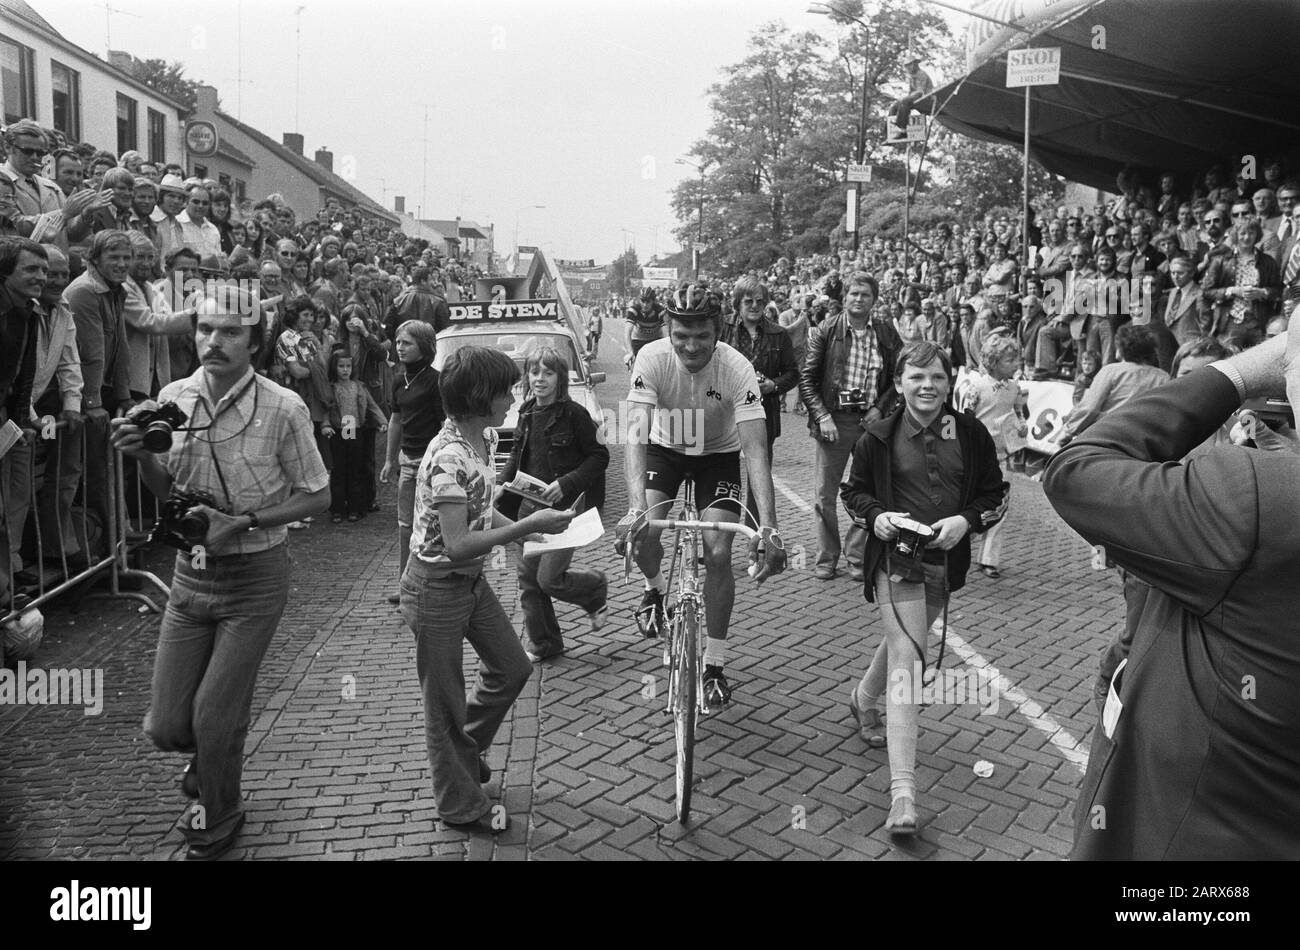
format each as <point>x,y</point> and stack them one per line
<point>909,549</point>
<point>855,398</point>
<point>180,525</point>
<point>158,423</point>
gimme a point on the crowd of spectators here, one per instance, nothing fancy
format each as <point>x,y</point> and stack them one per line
<point>126,245</point>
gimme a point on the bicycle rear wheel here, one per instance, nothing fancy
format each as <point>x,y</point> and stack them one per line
<point>685,708</point>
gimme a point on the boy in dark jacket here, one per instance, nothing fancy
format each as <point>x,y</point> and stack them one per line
<point>926,463</point>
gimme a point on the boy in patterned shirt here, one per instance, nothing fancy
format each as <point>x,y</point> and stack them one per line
<point>445,598</point>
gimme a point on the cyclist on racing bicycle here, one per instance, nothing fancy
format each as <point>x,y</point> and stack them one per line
<point>643,323</point>
<point>699,401</point>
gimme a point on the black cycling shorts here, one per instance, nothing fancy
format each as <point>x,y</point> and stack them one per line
<point>716,476</point>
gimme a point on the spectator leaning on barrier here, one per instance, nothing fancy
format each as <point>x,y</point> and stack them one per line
<point>258,460</point>
<point>97,299</point>
<point>56,393</point>
<point>24,266</point>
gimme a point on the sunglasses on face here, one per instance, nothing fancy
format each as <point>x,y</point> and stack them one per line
<point>31,152</point>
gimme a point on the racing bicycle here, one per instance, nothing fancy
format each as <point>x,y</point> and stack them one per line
<point>684,645</point>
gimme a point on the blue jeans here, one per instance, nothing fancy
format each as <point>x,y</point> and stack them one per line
<point>408,468</point>
<point>215,631</point>
<point>444,612</point>
<point>828,471</point>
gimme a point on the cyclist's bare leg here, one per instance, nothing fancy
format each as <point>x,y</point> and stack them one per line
<point>719,581</point>
<point>649,552</point>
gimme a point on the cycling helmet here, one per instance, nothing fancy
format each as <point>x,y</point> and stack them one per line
<point>692,299</point>
<point>648,294</point>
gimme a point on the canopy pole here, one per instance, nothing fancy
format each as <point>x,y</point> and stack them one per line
<point>1024,231</point>
<point>907,209</point>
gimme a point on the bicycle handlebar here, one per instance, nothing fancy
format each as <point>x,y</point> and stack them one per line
<point>671,524</point>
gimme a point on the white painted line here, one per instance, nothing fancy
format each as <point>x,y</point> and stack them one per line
<point>1069,747</point>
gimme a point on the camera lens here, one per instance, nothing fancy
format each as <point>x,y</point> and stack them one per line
<point>193,526</point>
<point>157,437</point>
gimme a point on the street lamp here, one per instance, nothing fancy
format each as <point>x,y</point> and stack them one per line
<point>699,230</point>
<point>837,11</point>
<point>517,213</point>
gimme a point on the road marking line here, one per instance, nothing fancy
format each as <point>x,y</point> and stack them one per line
<point>1069,747</point>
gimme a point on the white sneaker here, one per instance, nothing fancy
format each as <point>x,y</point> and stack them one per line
<point>598,617</point>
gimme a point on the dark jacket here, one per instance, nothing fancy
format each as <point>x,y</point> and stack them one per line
<point>1203,763</point>
<point>577,456</point>
<point>869,490</point>
<point>18,346</point>
<point>773,356</point>
<point>1218,277</point>
<point>823,366</point>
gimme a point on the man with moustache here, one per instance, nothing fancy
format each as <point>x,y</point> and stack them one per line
<point>252,448</point>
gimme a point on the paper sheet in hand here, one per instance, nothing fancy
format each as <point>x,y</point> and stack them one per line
<point>582,530</point>
<point>10,433</point>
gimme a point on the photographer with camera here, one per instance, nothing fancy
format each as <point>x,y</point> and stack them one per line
<point>235,458</point>
<point>846,385</point>
<point>922,479</point>
<point>1195,756</point>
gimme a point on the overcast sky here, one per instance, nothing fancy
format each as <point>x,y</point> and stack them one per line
<point>578,105</point>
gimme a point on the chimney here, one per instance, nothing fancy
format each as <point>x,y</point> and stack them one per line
<point>205,102</point>
<point>293,142</point>
<point>325,157</point>
<point>399,204</point>
<point>120,59</point>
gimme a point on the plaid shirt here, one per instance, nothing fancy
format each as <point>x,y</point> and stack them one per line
<point>863,366</point>
<point>262,438</point>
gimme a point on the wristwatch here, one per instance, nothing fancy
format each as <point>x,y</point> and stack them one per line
<point>253,523</point>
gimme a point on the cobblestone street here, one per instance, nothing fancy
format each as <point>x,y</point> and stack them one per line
<point>336,765</point>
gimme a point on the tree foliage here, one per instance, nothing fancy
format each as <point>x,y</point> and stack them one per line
<point>168,79</point>
<point>622,271</point>
<point>787,119</point>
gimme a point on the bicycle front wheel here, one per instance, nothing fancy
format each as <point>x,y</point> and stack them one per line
<point>685,709</point>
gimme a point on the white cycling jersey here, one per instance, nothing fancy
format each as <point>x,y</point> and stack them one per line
<point>696,413</point>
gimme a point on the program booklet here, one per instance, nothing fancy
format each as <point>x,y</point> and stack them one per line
<point>529,487</point>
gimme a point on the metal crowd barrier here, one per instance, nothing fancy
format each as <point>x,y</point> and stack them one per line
<point>67,527</point>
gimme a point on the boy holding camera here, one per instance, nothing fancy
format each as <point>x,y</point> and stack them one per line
<point>247,444</point>
<point>925,476</point>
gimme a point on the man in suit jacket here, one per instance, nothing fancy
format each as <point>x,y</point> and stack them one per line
<point>1289,264</point>
<point>1182,308</point>
<point>1286,227</point>
<point>1195,757</point>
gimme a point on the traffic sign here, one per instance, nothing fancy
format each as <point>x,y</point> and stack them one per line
<point>699,248</point>
<point>859,173</point>
<point>1034,67</point>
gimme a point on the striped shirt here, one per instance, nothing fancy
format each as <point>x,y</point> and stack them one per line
<point>261,435</point>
